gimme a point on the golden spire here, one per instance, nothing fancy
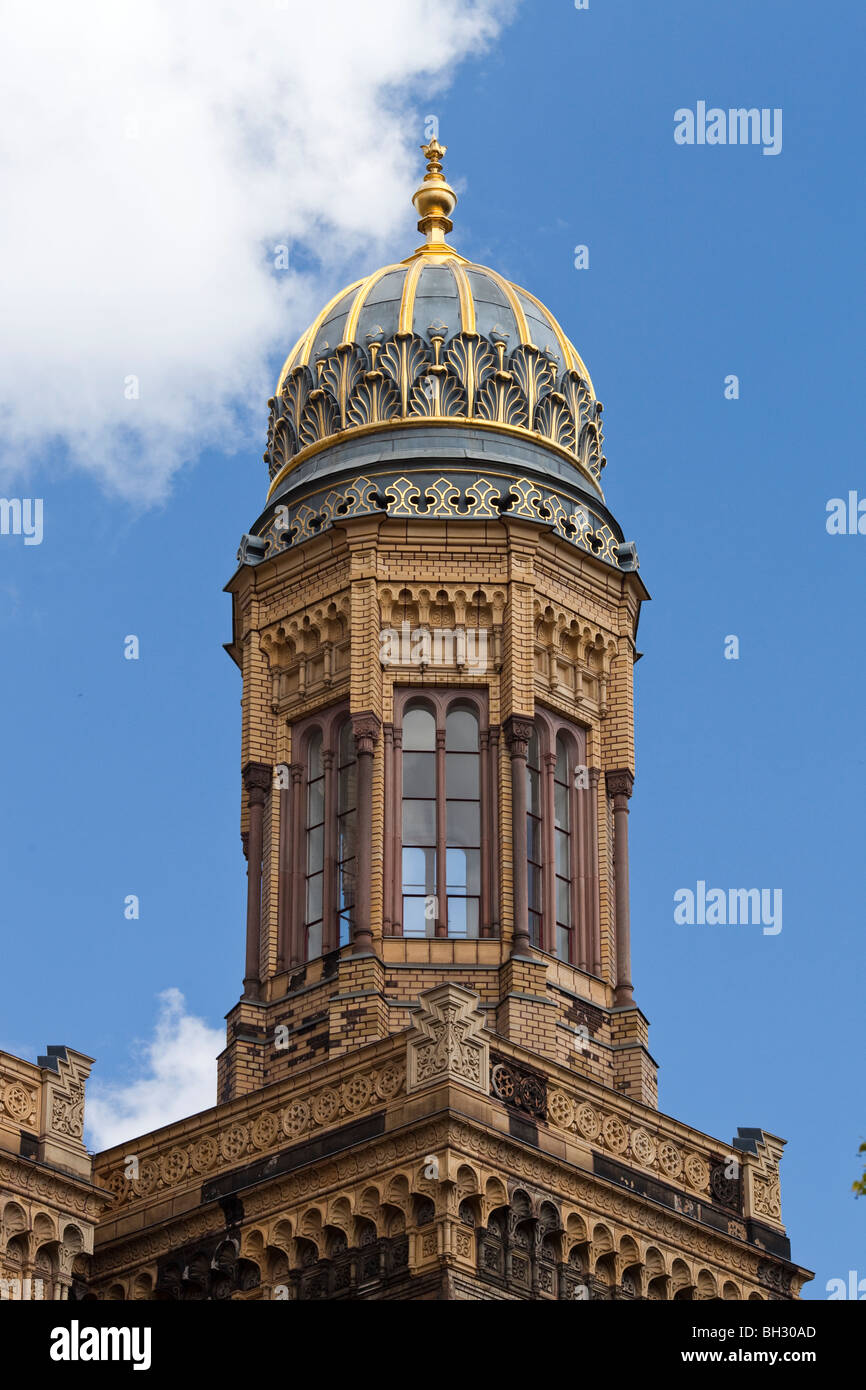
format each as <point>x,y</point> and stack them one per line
<point>435,199</point>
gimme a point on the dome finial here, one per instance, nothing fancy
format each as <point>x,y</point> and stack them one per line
<point>435,199</point>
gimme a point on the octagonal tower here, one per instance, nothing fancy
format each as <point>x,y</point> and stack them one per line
<point>435,619</point>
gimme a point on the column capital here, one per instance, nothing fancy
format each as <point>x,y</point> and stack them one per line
<point>257,781</point>
<point>620,784</point>
<point>518,732</point>
<point>366,727</point>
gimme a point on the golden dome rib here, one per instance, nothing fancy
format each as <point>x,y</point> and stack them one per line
<point>467,299</point>
<point>407,300</point>
<point>514,303</point>
<point>361,299</point>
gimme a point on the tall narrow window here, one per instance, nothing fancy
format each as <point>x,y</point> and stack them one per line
<point>462,822</point>
<point>315,848</point>
<point>346,802</point>
<point>562,820</point>
<point>419,823</point>
<point>534,852</point>
<point>561,845</point>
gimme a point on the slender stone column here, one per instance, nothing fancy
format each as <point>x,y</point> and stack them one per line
<point>594,878</point>
<point>548,854</point>
<point>388,867</point>
<point>296,851</point>
<point>366,728</point>
<point>257,780</point>
<point>518,733</point>
<point>484,792</point>
<point>394,885</point>
<point>619,786</point>
<point>492,788</point>
<point>441,926</point>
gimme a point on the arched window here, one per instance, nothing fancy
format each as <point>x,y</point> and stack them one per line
<point>561,845</point>
<point>346,804</point>
<point>315,855</point>
<point>562,820</point>
<point>419,822</point>
<point>534,849</point>
<point>441,851</point>
<point>324,856</point>
<point>462,822</point>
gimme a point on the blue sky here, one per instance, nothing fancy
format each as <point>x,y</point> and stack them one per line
<point>122,777</point>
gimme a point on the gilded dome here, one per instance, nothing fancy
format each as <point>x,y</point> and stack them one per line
<point>434,340</point>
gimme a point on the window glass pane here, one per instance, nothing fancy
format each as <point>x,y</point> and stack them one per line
<point>316,802</point>
<point>535,928</point>
<point>461,775</point>
<point>563,902</point>
<point>314,941</point>
<point>561,773</point>
<point>415,923</point>
<point>346,886</point>
<point>560,805</point>
<point>314,756</point>
<point>461,731</point>
<point>346,838</point>
<point>419,774</point>
<point>419,730</point>
<point>463,917</point>
<point>534,887</point>
<point>314,898</point>
<point>345,928</point>
<point>533,792</point>
<point>419,870</point>
<point>532,756</point>
<point>419,822</point>
<point>533,839</point>
<point>346,782</point>
<point>563,942</point>
<point>563,853</point>
<point>347,744</point>
<point>463,823</point>
<point>315,849</point>
<point>463,870</point>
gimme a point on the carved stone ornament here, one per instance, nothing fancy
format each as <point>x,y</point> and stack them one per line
<point>447,1042</point>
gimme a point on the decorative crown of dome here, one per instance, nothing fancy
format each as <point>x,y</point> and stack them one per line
<point>434,340</point>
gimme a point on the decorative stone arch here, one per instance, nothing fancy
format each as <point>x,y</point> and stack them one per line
<point>142,1286</point>
<point>682,1282</point>
<point>632,1276</point>
<point>731,1291</point>
<point>368,1203</point>
<point>495,1196</point>
<point>658,1284</point>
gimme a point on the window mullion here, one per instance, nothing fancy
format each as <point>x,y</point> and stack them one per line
<point>330,934</point>
<point>579,848</point>
<point>548,840</point>
<point>441,874</point>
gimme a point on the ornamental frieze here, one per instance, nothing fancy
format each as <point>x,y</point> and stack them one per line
<point>466,496</point>
<point>271,1128</point>
<point>467,380</point>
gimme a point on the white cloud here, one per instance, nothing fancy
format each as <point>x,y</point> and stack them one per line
<point>152,156</point>
<point>178,1078</point>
